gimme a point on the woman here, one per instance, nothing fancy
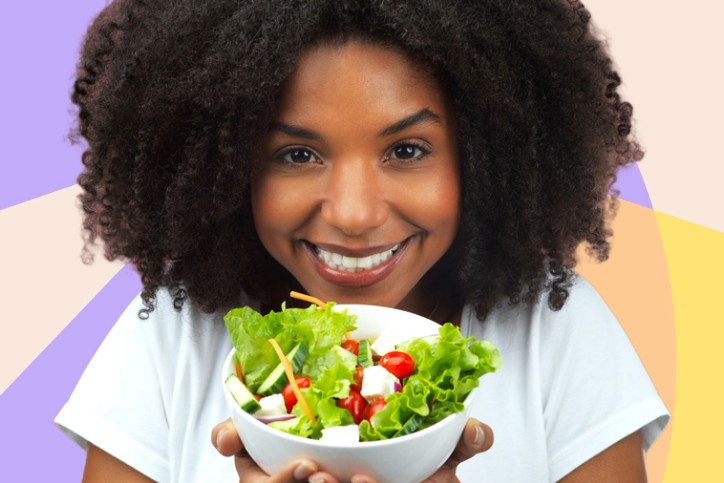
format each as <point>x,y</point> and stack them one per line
<point>238,150</point>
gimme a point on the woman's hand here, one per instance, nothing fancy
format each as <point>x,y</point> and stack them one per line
<point>477,438</point>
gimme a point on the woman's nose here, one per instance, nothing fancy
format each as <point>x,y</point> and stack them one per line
<point>354,201</point>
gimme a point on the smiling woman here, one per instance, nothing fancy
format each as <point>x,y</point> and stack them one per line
<point>442,157</point>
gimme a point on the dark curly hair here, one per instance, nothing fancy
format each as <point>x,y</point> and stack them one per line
<point>174,98</point>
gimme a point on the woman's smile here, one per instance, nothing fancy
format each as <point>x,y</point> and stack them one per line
<point>356,268</point>
<point>358,192</point>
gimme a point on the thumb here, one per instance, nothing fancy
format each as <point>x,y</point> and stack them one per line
<point>225,438</point>
<point>477,438</point>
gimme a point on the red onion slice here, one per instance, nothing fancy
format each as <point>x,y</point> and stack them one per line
<point>273,419</point>
<point>397,387</point>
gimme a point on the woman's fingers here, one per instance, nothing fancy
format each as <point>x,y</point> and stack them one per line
<point>477,438</point>
<point>362,479</point>
<point>300,470</point>
<point>225,438</point>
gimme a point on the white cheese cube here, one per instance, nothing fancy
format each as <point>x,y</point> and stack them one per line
<point>386,342</point>
<point>272,406</point>
<point>341,434</point>
<point>378,383</point>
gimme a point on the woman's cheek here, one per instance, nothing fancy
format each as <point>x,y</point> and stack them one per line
<point>434,202</point>
<point>279,208</point>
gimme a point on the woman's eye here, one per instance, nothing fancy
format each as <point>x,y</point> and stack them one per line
<point>299,156</point>
<point>408,152</point>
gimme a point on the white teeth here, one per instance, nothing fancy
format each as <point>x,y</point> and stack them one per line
<point>353,264</point>
<point>365,262</point>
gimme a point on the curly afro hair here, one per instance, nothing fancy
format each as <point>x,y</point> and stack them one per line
<point>174,97</point>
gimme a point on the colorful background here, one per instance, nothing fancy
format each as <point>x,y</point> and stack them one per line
<point>663,281</point>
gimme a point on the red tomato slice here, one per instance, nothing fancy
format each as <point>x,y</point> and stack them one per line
<point>355,404</point>
<point>290,399</point>
<point>374,408</point>
<point>400,364</point>
<point>358,378</point>
<point>352,346</point>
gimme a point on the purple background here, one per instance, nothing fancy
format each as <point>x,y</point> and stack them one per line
<point>32,448</point>
<point>39,45</point>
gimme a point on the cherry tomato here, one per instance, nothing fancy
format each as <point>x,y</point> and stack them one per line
<point>290,399</point>
<point>355,404</point>
<point>374,408</point>
<point>400,364</point>
<point>258,397</point>
<point>352,346</point>
<point>358,378</point>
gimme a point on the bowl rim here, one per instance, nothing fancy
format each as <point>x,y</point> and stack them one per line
<point>228,370</point>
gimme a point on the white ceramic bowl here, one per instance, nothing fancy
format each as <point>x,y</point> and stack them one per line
<point>409,459</point>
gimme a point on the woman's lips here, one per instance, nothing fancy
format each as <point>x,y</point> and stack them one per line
<point>336,271</point>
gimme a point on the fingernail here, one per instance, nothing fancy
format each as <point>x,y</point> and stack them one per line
<point>221,432</point>
<point>316,480</point>
<point>304,469</point>
<point>479,436</point>
<point>358,479</point>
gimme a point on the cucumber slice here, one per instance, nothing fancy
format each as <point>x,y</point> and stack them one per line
<point>365,354</point>
<point>277,380</point>
<point>410,426</point>
<point>242,394</point>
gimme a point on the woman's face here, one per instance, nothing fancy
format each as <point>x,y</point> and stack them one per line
<point>358,194</point>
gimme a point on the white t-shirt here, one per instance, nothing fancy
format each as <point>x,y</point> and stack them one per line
<point>571,385</point>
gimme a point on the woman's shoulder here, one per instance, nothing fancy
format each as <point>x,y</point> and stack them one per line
<point>582,298</point>
<point>582,319</point>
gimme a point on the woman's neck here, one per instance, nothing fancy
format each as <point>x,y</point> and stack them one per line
<point>432,304</point>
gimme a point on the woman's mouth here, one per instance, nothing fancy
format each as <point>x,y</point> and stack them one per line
<point>354,264</point>
<point>367,268</point>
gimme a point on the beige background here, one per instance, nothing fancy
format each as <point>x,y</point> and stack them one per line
<point>44,260</point>
<point>669,54</point>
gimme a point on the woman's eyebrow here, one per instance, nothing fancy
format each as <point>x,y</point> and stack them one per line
<point>425,115</point>
<point>296,132</point>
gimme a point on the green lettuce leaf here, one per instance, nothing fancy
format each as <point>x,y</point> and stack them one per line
<point>440,410</point>
<point>256,356</point>
<point>335,381</point>
<point>368,433</point>
<point>329,328</point>
<point>331,416</point>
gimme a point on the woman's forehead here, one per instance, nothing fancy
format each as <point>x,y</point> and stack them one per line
<point>355,80</point>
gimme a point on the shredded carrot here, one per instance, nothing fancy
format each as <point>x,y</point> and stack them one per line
<point>292,380</point>
<point>349,336</point>
<point>238,373</point>
<point>308,298</point>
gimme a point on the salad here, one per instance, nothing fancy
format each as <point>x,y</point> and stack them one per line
<point>300,372</point>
